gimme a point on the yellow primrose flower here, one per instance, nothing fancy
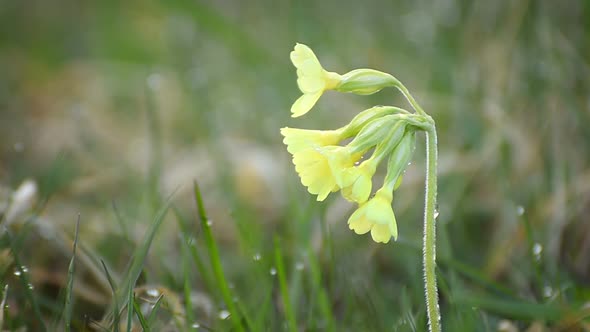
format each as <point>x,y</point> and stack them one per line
<point>301,139</point>
<point>376,216</point>
<point>358,181</point>
<point>315,168</point>
<point>312,79</point>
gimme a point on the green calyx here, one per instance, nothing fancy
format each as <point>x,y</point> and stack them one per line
<point>365,81</point>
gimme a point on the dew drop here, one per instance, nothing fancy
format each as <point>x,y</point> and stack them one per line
<point>299,266</point>
<point>31,287</point>
<point>18,146</point>
<point>436,214</point>
<point>520,210</point>
<point>257,257</point>
<point>224,314</point>
<point>195,325</point>
<point>154,81</point>
<point>547,291</point>
<point>506,325</point>
<point>273,271</point>
<point>537,250</point>
<point>17,273</point>
<point>357,163</point>
<point>153,292</point>
<point>209,222</point>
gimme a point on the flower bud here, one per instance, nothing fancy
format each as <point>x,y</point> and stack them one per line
<point>365,81</point>
<point>368,115</point>
<point>374,132</point>
<point>401,156</point>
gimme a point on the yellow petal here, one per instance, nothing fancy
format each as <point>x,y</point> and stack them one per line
<point>359,223</point>
<point>380,210</point>
<point>381,233</point>
<point>301,139</point>
<point>361,190</point>
<point>393,229</point>
<point>304,104</point>
<point>311,84</point>
<point>358,182</point>
<point>310,67</point>
<point>324,192</point>
<point>315,173</point>
<point>301,53</point>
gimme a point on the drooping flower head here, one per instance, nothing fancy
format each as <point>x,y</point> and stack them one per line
<point>312,79</point>
<point>324,165</point>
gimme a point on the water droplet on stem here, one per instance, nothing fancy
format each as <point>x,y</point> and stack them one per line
<point>224,314</point>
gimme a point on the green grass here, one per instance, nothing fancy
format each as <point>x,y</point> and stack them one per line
<point>116,109</point>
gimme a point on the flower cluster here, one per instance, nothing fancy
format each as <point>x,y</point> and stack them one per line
<point>326,164</point>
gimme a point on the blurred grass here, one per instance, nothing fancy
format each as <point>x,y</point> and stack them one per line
<point>112,106</point>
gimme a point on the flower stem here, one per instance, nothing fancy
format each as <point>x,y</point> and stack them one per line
<point>402,88</point>
<point>429,246</point>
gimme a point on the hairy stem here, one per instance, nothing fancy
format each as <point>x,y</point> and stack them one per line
<point>429,248</point>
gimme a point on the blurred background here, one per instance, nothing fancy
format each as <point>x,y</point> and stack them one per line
<point>110,110</point>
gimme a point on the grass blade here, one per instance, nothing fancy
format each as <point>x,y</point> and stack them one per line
<point>116,313</point>
<point>141,252</point>
<point>153,314</point>
<point>70,283</point>
<point>136,265</point>
<point>25,282</point>
<point>325,307</point>
<point>216,261</point>
<point>204,273</point>
<point>186,284</point>
<point>130,308</point>
<point>289,312</point>
<point>142,321</point>
<point>2,304</point>
<point>509,308</point>
<point>121,221</point>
